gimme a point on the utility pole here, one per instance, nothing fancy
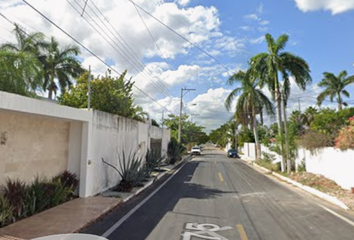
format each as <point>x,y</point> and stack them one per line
<point>287,156</point>
<point>89,89</point>
<point>162,117</point>
<point>180,111</point>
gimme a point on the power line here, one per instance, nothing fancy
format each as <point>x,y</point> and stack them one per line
<point>125,56</point>
<point>88,50</point>
<point>184,38</point>
<point>160,85</point>
<point>119,35</point>
<point>155,42</point>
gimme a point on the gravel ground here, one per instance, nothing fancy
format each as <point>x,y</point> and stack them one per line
<point>325,185</point>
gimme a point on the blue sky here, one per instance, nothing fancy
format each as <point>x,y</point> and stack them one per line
<point>231,31</point>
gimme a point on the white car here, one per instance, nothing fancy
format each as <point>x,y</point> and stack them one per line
<point>196,151</point>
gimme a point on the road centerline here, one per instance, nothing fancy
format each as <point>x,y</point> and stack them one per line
<point>242,232</point>
<point>220,177</point>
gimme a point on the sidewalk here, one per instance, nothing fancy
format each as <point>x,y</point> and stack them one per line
<point>73,216</point>
<point>66,218</point>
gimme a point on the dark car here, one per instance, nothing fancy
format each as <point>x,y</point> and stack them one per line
<point>232,153</point>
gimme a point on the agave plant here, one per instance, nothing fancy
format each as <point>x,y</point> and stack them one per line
<point>6,211</point>
<point>132,171</point>
<point>15,192</point>
<point>153,160</point>
<point>174,151</point>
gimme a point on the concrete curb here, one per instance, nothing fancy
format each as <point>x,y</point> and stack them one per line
<point>149,183</point>
<point>308,189</point>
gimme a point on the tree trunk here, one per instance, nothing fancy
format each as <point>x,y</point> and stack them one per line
<point>255,132</point>
<point>279,118</point>
<point>287,156</point>
<point>339,102</point>
<point>50,94</point>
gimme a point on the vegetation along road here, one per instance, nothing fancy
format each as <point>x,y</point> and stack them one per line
<point>214,197</point>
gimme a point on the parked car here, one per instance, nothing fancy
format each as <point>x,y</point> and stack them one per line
<point>196,150</point>
<point>232,153</point>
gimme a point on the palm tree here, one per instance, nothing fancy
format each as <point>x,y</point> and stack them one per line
<point>309,116</point>
<point>26,42</point>
<point>250,98</point>
<point>20,73</point>
<point>22,61</point>
<point>335,87</point>
<point>269,65</point>
<point>62,65</point>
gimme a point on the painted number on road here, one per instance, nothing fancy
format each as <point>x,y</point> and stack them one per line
<point>203,231</point>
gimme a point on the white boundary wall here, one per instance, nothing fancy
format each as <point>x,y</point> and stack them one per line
<point>330,162</point>
<point>92,135</point>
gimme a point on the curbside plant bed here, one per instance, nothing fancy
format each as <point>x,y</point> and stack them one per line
<point>325,185</point>
<point>156,175</point>
<point>315,181</point>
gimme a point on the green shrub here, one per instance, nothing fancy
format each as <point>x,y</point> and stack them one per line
<point>69,179</point>
<point>268,157</point>
<point>271,166</point>
<point>174,151</point>
<point>153,160</point>
<point>6,211</point>
<point>15,192</point>
<point>25,200</point>
<point>132,171</point>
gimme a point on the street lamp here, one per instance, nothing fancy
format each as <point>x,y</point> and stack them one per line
<point>180,111</point>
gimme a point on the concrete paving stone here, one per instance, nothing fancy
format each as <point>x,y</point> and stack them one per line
<point>69,217</point>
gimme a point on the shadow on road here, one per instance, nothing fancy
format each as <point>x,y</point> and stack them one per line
<point>151,213</point>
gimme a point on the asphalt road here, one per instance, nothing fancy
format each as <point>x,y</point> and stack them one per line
<point>213,197</point>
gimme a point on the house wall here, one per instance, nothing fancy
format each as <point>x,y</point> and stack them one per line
<point>330,162</point>
<point>32,146</point>
<point>41,137</point>
<point>111,135</point>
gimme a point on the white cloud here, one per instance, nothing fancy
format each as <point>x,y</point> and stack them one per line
<point>246,28</point>
<point>252,17</point>
<point>183,2</point>
<point>157,80</point>
<point>264,22</point>
<point>197,24</point>
<point>335,6</point>
<point>210,108</point>
<point>257,40</point>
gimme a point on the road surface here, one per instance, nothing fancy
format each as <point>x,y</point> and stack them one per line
<point>213,197</point>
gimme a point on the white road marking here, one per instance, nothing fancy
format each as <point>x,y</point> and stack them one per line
<point>131,212</point>
<point>337,215</point>
<point>205,228</point>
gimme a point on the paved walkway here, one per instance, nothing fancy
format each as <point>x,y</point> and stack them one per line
<point>69,217</point>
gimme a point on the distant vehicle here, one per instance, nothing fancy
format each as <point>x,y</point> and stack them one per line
<point>232,153</point>
<point>196,150</point>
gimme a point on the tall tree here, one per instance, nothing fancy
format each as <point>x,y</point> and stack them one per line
<point>26,42</point>
<point>20,73</point>
<point>108,94</point>
<point>61,65</point>
<point>250,98</point>
<point>269,65</point>
<point>335,87</point>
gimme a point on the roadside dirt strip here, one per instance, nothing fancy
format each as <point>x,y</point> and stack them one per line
<point>308,189</point>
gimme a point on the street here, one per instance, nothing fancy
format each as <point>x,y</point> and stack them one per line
<point>213,197</point>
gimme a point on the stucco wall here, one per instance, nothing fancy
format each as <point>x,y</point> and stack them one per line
<point>32,145</point>
<point>45,138</point>
<point>330,162</point>
<point>109,136</point>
